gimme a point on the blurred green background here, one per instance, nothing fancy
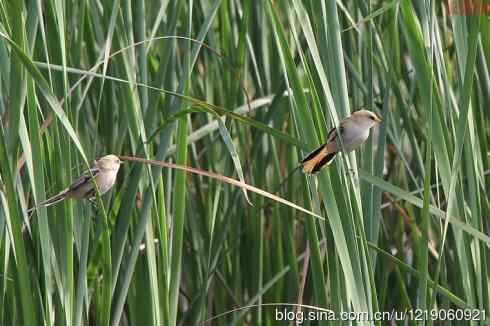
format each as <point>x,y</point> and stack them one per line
<point>243,89</point>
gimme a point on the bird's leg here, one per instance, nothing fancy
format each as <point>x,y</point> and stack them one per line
<point>93,203</point>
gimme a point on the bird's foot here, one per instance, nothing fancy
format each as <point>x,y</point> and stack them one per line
<point>351,172</point>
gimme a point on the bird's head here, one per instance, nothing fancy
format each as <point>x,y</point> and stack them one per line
<point>366,118</point>
<point>109,162</point>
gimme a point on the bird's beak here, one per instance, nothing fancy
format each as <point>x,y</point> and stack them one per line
<point>378,119</point>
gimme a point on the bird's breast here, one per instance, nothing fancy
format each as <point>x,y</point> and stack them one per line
<point>354,137</point>
<point>105,180</point>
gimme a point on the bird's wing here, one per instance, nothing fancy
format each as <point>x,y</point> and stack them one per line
<point>332,134</point>
<point>86,176</point>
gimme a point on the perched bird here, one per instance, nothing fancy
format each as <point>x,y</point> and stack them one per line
<point>104,172</point>
<point>354,131</point>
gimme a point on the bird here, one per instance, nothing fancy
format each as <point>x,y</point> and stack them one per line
<point>104,172</point>
<point>354,131</point>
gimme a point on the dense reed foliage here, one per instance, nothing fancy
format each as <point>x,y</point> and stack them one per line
<point>243,89</point>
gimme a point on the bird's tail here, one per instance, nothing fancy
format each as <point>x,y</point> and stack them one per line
<point>51,201</point>
<point>321,156</point>
<point>48,202</point>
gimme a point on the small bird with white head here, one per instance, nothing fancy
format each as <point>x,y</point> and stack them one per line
<point>104,173</point>
<point>354,131</point>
